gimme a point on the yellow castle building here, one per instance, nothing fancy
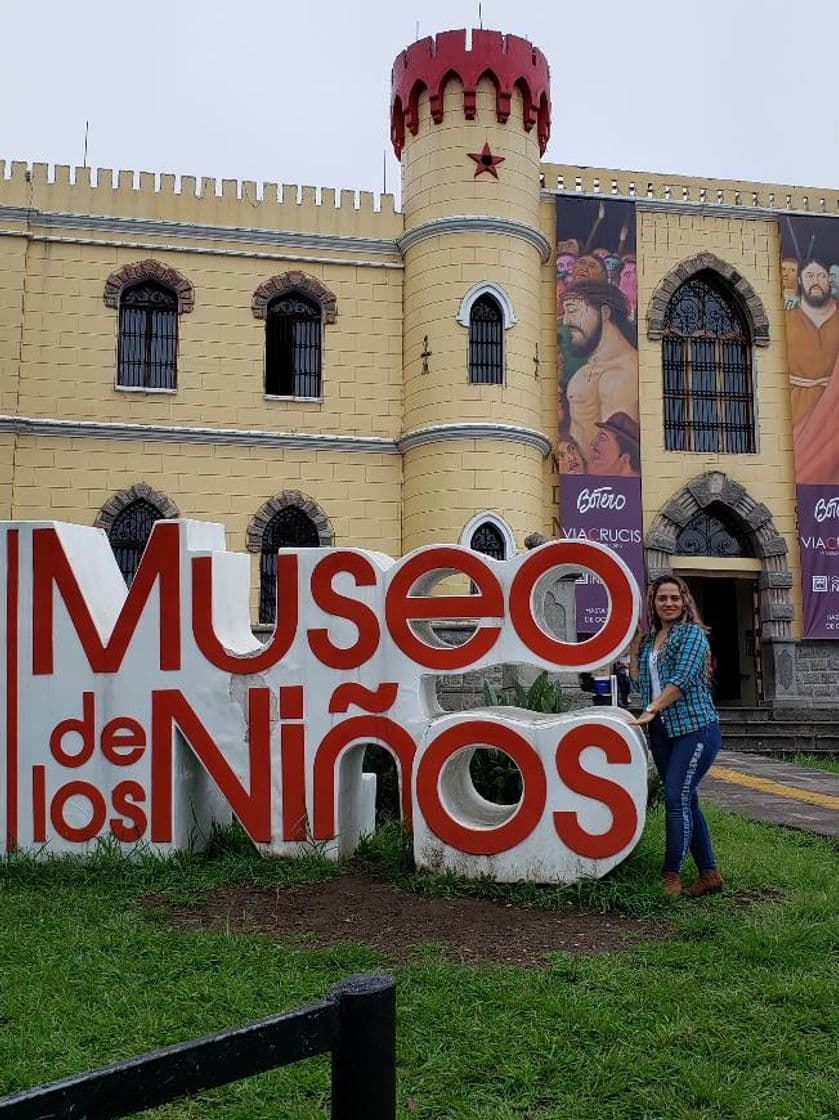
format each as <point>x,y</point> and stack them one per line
<point>310,366</point>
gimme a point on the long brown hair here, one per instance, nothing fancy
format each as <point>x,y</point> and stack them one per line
<point>691,612</point>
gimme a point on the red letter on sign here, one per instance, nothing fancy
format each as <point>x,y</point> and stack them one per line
<point>83,728</point>
<point>170,708</point>
<point>159,562</point>
<point>401,607</point>
<point>481,841</point>
<point>358,730</point>
<point>284,629</point>
<point>614,797</point>
<point>359,614</point>
<point>577,554</point>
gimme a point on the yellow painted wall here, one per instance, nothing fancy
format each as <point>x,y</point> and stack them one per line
<point>71,479</point>
<point>752,248</point>
<point>53,318</point>
<point>438,178</point>
<point>12,302</point>
<point>447,483</point>
<point>69,344</point>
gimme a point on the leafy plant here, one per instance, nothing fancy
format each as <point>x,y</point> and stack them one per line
<point>544,695</point>
<point>495,775</point>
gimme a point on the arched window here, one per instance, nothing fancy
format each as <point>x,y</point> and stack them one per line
<point>148,336</point>
<point>290,527</point>
<point>293,347</point>
<point>129,533</point>
<point>712,532</point>
<point>486,342</point>
<point>707,367</point>
<point>488,539</point>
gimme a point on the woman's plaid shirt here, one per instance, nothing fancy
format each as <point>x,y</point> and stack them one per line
<point>682,661</point>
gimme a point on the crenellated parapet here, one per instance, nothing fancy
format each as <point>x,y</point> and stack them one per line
<point>690,191</point>
<point>55,192</point>
<point>511,62</point>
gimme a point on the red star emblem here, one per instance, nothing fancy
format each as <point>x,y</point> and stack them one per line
<point>486,161</point>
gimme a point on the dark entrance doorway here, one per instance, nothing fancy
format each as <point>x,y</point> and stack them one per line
<point>727,606</point>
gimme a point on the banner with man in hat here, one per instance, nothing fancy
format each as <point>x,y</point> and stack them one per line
<point>810,279</point>
<point>597,449</point>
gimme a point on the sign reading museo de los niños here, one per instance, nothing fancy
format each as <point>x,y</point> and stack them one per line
<point>146,715</point>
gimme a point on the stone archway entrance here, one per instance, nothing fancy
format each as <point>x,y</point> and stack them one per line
<point>727,546</point>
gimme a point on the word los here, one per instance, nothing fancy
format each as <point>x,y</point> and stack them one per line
<point>148,715</point>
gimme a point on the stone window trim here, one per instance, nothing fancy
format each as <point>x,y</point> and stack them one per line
<point>487,288</point>
<point>751,303</point>
<point>149,270</point>
<point>294,282</point>
<point>259,521</point>
<point>114,506</point>
<point>754,522</point>
<point>498,522</point>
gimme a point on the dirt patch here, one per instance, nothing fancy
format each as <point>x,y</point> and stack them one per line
<point>393,921</point>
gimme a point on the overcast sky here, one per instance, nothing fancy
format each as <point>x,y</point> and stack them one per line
<point>299,92</point>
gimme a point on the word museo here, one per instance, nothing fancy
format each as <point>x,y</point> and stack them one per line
<point>148,715</point>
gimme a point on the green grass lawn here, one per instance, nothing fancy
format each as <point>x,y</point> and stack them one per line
<point>734,1016</point>
<point>817,762</point>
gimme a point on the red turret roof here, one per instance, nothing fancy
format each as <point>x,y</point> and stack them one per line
<point>508,60</point>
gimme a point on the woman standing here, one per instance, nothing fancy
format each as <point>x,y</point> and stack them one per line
<point>670,668</point>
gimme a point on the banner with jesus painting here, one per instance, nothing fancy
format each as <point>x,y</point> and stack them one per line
<point>597,448</point>
<point>810,282</point>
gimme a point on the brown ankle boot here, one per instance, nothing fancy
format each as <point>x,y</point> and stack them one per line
<point>671,882</point>
<point>708,881</point>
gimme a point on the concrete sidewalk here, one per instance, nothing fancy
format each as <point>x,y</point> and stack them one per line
<point>768,789</point>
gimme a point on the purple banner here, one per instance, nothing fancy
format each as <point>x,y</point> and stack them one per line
<point>810,281</point>
<point>607,510</point>
<point>598,449</point>
<point>818,529</point>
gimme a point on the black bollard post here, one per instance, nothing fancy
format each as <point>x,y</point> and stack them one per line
<point>364,1057</point>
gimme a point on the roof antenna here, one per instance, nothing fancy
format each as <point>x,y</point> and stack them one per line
<point>86,129</point>
<point>480,15</point>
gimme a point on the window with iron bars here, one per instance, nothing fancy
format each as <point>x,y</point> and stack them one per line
<point>290,527</point>
<point>293,347</point>
<point>707,370</point>
<point>148,337</point>
<point>487,539</point>
<point>486,342</point>
<point>129,535</point>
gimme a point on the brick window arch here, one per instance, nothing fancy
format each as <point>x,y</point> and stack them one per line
<point>295,308</point>
<point>706,356</point>
<point>293,339</point>
<point>128,519</point>
<point>290,520</point>
<point>149,298</point>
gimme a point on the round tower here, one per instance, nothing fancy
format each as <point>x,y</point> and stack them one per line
<point>469,122</point>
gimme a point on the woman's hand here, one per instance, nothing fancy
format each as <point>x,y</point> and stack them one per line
<point>644,718</point>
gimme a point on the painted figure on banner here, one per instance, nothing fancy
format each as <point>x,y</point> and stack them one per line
<point>812,331</point>
<point>616,449</point>
<point>597,448</point>
<point>789,282</point>
<point>597,320</point>
<point>596,331</point>
<point>810,254</point>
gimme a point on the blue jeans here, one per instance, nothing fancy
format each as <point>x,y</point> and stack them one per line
<point>682,763</point>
